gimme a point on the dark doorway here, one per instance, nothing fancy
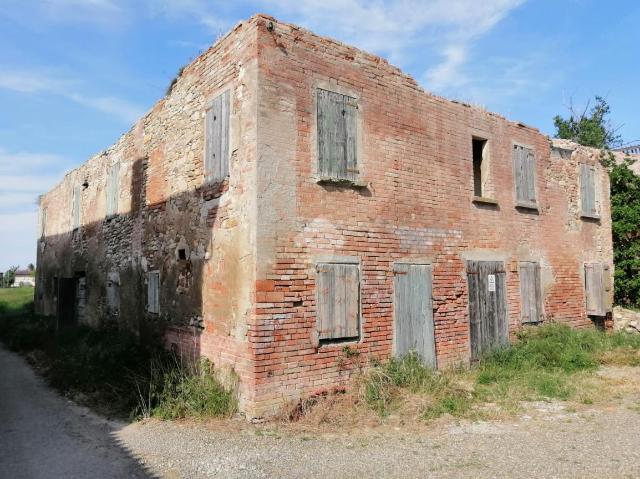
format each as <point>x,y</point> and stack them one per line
<point>487,306</point>
<point>67,288</point>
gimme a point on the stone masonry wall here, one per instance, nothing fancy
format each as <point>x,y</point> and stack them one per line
<point>415,154</point>
<point>164,205</point>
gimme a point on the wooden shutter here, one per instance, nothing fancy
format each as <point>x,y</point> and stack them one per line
<point>153,287</point>
<point>487,306</point>
<point>413,312</point>
<point>338,301</point>
<point>113,189</point>
<point>531,310</point>
<point>76,207</point>
<point>216,162</point>
<point>594,289</point>
<point>607,284</point>
<point>337,136</point>
<point>43,221</point>
<point>524,166</point>
<point>588,190</point>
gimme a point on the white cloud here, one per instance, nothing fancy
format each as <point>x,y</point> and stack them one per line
<point>111,105</point>
<point>34,81</point>
<point>111,14</point>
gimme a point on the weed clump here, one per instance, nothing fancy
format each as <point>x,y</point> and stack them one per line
<point>548,362</point>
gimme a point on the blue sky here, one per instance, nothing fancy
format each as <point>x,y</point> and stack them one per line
<point>75,74</point>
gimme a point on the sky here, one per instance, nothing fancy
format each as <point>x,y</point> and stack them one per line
<point>76,74</point>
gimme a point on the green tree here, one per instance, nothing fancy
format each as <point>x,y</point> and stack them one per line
<point>589,128</point>
<point>625,218</point>
<point>593,128</point>
<point>9,277</point>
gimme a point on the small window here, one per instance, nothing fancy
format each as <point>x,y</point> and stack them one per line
<point>153,292</point>
<point>479,167</point>
<point>113,188</point>
<point>524,167</point>
<point>531,310</point>
<point>338,302</point>
<point>216,155</point>
<point>182,254</point>
<point>77,197</point>
<point>589,206</point>
<point>337,129</point>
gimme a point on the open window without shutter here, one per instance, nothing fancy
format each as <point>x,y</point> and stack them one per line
<point>524,165</point>
<point>216,159</point>
<point>338,301</point>
<point>588,191</point>
<point>531,308</point>
<point>337,134</point>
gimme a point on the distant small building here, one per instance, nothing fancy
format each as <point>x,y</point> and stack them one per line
<point>630,150</point>
<point>24,278</point>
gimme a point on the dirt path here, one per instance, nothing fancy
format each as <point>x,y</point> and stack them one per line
<point>550,440</point>
<point>45,436</point>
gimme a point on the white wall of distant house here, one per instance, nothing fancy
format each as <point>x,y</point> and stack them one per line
<point>24,281</point>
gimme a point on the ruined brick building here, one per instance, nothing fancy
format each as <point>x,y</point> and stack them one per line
<point>292,196</point>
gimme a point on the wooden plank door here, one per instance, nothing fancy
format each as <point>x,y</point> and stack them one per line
<point>413,307</point>
<point>487,306</point>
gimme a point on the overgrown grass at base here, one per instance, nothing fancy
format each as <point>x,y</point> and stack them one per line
<point>548,362</point>
<point>110,368</point>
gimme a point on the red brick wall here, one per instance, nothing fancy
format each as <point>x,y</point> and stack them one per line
<point>415,152</point>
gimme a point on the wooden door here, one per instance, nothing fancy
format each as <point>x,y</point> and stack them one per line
<point>487,306</point>
<point>413,307</point>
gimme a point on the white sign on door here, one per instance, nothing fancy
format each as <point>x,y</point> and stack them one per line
<point>491,281</point>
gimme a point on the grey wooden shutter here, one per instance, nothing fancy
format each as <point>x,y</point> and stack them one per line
<point>524,166</point>
<point>607,284</point>
<point>113,188</point>
<point>216,160</point>
<point>487,306</point>
<point>588,190</point>
<point>338,301</point>
<point>43,222</point>
<point>531,309</point>
<point>413,312</point>
<point>153,286</point>
<point>76,207</point>
<point>594,290</point>
<point>337,136</point>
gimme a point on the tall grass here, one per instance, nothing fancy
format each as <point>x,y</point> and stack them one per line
<point>545,362</point>
<point>111,368</point>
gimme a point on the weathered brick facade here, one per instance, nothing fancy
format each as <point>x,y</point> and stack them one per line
<point>238,259</point>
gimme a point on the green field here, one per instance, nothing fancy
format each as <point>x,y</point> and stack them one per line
<point>15,300</point>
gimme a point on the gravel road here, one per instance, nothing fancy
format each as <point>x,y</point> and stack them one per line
<point>45,436</point>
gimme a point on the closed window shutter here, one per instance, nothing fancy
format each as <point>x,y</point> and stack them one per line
<point>524,165</point>
<point>153,286</point>
<point>594,289</point>
<point>216,163</point>
<point>337,136</point>
<point>588,190</point>
<point>338,301</point>
<point>76,207</point>
<point>531,309</point>
<point>113,189</point>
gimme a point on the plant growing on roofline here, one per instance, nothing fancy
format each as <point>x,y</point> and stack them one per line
<point>593,128</point>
